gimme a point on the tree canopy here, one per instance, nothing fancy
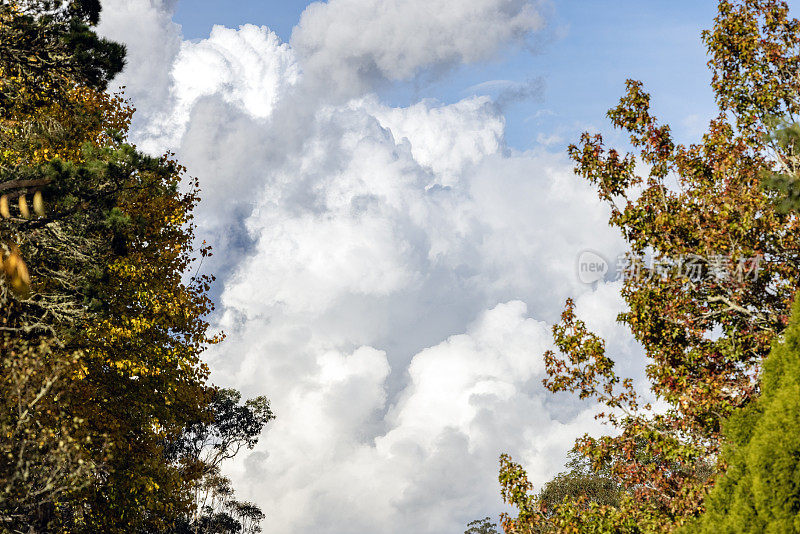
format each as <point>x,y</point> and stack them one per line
<point>102,328</point>
<point>710,276</point>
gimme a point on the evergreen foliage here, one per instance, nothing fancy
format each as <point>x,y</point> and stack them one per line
<point>760,489</point>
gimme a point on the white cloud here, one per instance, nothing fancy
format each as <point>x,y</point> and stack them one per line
<point>446,139</point>
<point>549,140</point>
<point>350,44</point>
<point>357,243</point>
<point>248,68</point>
<point>333,463</point>
<point>153,41</point>
<point>387,274</point>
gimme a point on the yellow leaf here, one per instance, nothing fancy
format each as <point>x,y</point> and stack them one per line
<point>23,207</point>
<point>38,204</point>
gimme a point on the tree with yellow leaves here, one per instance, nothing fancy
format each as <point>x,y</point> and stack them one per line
<point>101,368</point>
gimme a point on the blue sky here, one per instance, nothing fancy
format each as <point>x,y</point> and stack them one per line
<point>587,53</point>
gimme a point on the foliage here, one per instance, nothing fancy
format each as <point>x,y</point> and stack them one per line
<point>563,501</point>
<point>785,182</point>
<point>232,425</point>
<point>47,46</point>
<point>580,481</point>
<point>101,361</point>
<point>760,490</point>
<point>705,336</point>
<point>42,455</point>
<point>481,526</point>
<point>205,445</point>
<point>222,514</point>
<point>142,380</point>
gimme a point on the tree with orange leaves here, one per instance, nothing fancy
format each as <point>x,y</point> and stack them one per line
<point>705,331</point>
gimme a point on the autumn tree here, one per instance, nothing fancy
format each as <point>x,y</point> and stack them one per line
<point>103,328</point>
<point>759,491</point>
<point>48,454</point>
<point>42,453</point>
<point>712,270</point>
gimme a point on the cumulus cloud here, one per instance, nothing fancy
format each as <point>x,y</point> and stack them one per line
<point>446,139</point>
<point>153,41</point>
<point>387,275</point>
<point>333,463</point>
<point>248,68</point>
<point>373,237</point>
<point>351,44</point>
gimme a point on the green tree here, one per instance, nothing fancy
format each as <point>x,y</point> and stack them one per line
<point>204,446</point>
<point>565,499</point>
<point>579,482</point>
<point>760,490</point>
<point>785,181</point>
<point>481,526</point>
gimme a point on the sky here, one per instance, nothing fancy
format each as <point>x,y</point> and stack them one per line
<point>396,227</point>
<point>657,42</point>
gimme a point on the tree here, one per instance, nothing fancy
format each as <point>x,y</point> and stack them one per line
<point>713,267</point>
<point>579,482</point>
<point>205,445</point>
<point>104,332</point>
<point>47,46</point>
<point>44,112</point>
<point>786,180</point>
<point>481,526</point>
<point>760,490</point>
<point>42,458</point>
<point>583,488</point>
